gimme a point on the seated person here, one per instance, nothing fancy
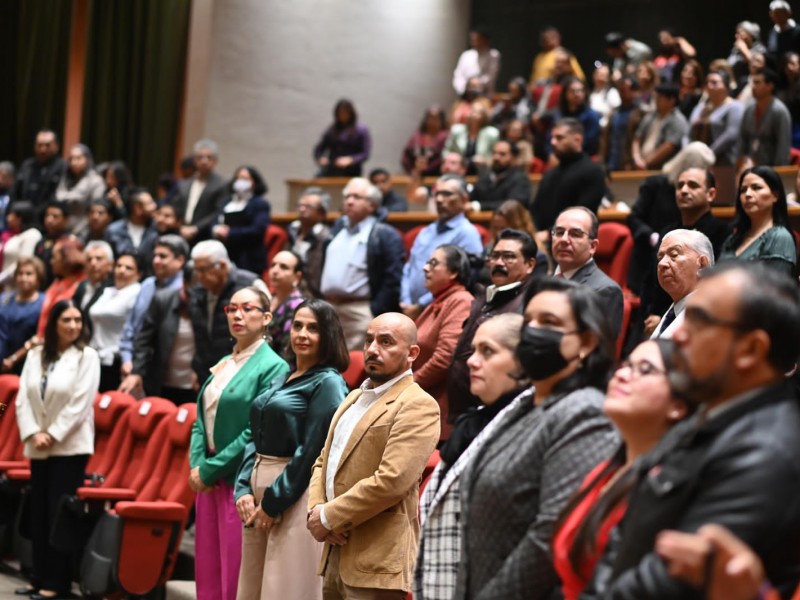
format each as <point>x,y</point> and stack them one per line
<point>19,313</point>
<point>503,180</point>
<point>21,238</point>
<point>461,108</point>
<point>473,140</point>
<point>392,201</point>
<point>166,220</point>
<point>68,263</point>
<point>516,105</point>
<point>422,155</point>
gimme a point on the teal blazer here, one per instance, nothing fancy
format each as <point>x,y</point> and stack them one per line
<point>232,424</point>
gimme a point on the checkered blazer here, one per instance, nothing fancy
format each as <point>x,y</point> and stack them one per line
<point>515,487</point>
<point>440,511</point>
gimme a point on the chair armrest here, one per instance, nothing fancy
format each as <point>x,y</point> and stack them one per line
<point>152,511</point>
<point>110,494</point>
<point>19,474</point>
<point>7,465</point>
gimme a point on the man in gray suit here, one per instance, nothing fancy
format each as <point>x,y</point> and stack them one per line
<point>200,198</point>
<point>574,242</point>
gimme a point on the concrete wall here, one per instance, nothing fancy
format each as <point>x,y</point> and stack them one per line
<point>268,74</point>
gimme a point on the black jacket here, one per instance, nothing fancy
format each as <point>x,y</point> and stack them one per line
<point>153,344</point>
<point>209,205</point>
<point>740,470</point>
<point>491,189</point>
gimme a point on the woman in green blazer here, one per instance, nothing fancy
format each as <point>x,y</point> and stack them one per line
<point>219,437</point>
<point>289,424</point>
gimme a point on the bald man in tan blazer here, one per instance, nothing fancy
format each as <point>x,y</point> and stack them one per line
<point>364,489</point>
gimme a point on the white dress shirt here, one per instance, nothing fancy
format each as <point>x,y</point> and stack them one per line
<point>678,306</point>
<point>344,429</point>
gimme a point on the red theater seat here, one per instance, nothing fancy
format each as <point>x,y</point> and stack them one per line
<point>614,251</point>
<point>355,373</point>
<point>275,238</point>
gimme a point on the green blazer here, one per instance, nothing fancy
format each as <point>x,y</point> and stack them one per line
<point>232,424</point>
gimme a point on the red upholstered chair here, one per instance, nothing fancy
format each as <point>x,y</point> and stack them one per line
<point>275,238</point>
<point>433,460</point>
<point>409,237</point>
<point>614,251</point>
<point>137,542</point>
<point>355,373</point>
<point>11,447</point>
<point>485,234</point>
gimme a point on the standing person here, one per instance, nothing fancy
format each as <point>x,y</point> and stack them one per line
<point>496,378</point>
<point>244,219</point>
<point>68,263</point>
<point>38,177</point>
<point>716,121</point>
<point>79,185</point>
<point>19,312</point>
<point>109,314</point>
<point>20,220</point>
<point>289,424</point>
<point>540,450</point>
<point>761,228</point>
<point>309,234</point>
<point>766,130</point>
<point>57,389</point>
<point>422,155</point>
<point>363,496</point>
<point>643,407</point>
<point>345,146</point>
<point>284,279</point>
<point>219,437</point>
<point>481,60</point>
<point>201,197</point>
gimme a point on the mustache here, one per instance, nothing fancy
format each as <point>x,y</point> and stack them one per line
<point>499,270</point>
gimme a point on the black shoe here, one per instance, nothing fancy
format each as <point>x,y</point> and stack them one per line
<point>26,591</point>
<point>64,596</point>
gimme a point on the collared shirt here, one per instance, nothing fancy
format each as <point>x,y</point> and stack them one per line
<point>678,308</point>
<point>344,429</point>
<point>140,307</point>
<point>458,231</point>
<point>571,273</point>
<point>492,290</point>
<point>345,271</point>
<point>472,63</point>
<point>195,191</point>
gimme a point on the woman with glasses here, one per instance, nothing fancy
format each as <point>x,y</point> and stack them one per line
<point>496,378</point>
<point>540,449</point>
<point>761,227</point>
<point>642,405</point>
<point>219,438</point>
<point>439,326</point>
<point>289,423</point>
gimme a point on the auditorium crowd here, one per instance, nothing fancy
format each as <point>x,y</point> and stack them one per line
<point>523,425</point>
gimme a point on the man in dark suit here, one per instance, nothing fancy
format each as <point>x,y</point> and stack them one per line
<point>735,462</point>
<point>201,197</point>
<point>38,177</point>
<point>99,264</point>
<point>574,239</point>
<point>503,181</point>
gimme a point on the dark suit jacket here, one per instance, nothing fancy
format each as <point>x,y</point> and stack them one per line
<point>610,293</point>
<point>120,239</point>
<point>208,206</point>
<point>385,256</point>
<point>491,191</point>
<point>738,469</point>
<point>153,344</point>
<point>245,241</point>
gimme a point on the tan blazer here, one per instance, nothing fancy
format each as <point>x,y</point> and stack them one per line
<point>377,486</point>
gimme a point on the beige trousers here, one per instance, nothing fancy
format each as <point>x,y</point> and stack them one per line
<point>279,563</point>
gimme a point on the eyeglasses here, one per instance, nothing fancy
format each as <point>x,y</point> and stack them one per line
<point>574,233</point>
<point>506,257</point>
<point>433,263</point>
<point>444,194</point>
<point>641,368</point>
<point>246,309</point>
<point>695,316</point>
<point>205,269</point>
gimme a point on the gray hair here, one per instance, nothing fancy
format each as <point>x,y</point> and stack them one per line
<point>697,241</point>
<point>174,243</point>
<point>102,245</point>
<point>373,193</point>
<point>324,197</point>
<point>752,29</point>
<point>214,250</point>
<point>462,183</point>
<point>208,144</point>
<point>7,168</point>
<point>511,329</point>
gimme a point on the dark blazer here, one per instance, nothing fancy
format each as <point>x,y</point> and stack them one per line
<point>385,258</point>
<point>245,241</point>
<point>738,469</point>
<point>117,235</point>
<point>212,346</point>
<point>153,344</point>
<point>492,190</point>
<point>208,206</point>
<point>608,289</point>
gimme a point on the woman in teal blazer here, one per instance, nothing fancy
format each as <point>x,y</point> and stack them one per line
<point>289,424</point>
<point>219,437</point>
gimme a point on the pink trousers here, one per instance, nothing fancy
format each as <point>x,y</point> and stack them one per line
<point>218,544</point>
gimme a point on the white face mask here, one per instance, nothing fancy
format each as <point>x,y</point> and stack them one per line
<point>242,186</point>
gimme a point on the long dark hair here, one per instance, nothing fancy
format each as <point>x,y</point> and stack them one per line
<point>584,544</point>
<point>564,105</point>
<point>332,346</point>
<point>50,346</point>
<point>780,213</point>
<point>260,186</point>
<point>587,307</point>
<point>338,125</point>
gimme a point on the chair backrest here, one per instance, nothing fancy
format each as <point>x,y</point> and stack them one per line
<point>109,423</point>
<point>614,251</point>
<point>128,469</point>
<point>409,237</point>
<point>9,432</point>
<point>168,475</point>
<point>486,235</point>
<point>275,238</point>
<point>355,373</point>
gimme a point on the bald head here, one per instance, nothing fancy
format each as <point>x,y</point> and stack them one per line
<point>390,346</point>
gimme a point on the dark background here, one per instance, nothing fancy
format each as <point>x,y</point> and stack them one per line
<point>709,25</point>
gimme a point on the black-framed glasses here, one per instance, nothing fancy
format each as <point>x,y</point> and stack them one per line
<point>641,368</point>
<point>506,257</point>
<point>573,233</point>
<point>245,308</point>
<point>698,317</point>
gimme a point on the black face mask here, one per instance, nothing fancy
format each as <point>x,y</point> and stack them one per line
<point>539,352</point>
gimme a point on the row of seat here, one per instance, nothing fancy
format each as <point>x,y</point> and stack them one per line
<point>136,495</point>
